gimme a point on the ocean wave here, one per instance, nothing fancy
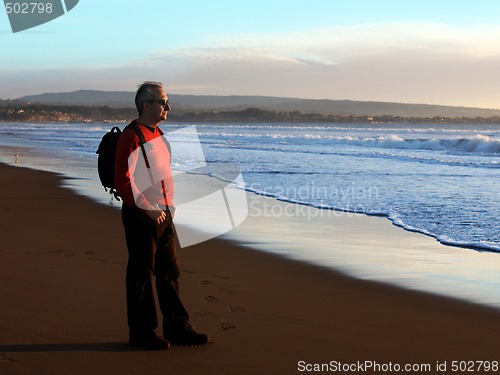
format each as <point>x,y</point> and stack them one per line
<point>445,240</point>
<point>478,144</point>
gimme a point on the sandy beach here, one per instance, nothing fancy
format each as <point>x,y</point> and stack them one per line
<point>62,311</point>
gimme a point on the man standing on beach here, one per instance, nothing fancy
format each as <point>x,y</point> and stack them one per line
<point>150,235</point>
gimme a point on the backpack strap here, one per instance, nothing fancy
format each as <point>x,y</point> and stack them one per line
<point>133,125</point>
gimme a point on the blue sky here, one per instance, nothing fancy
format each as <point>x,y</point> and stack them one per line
<point>437,52</point>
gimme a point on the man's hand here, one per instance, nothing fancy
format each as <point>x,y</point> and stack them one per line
<point>156,214</point>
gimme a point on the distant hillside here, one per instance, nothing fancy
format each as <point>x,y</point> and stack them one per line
<point>115,99</point>
<point>124,99</point>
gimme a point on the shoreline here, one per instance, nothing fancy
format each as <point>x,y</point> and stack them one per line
<point>479,248</point>
<point>93,190</point>
<point>64,301</point>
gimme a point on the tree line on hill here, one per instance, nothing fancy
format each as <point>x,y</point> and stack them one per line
<point>17,111</point>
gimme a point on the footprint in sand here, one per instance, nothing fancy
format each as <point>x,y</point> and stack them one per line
<point>235,309</point>
<point>227,326</point>
<point>211,299</point>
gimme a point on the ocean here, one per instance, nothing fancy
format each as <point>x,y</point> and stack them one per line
<point>441,180</point>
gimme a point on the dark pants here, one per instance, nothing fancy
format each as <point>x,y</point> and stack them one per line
<point>151,250</point>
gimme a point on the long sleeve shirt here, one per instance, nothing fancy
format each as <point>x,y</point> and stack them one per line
<point>134,182</point>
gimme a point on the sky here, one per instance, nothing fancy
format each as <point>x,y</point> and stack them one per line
<point>406,51</point>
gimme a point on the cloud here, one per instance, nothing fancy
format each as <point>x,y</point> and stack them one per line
<point>404,62</point>
<point>369,39</point>
<point>410,62</point>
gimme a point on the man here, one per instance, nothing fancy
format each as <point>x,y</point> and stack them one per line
<point>145,185</point>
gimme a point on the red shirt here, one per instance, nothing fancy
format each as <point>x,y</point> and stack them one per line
<point>134,182</point>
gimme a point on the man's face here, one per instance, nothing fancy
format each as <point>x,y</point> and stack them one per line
<point>155,108</point>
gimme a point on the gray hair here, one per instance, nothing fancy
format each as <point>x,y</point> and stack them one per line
<point>145,93</point>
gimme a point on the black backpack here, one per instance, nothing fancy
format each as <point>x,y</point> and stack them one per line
<point>107,155</point>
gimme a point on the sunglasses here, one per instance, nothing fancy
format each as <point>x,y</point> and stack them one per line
<point>163,103</point>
